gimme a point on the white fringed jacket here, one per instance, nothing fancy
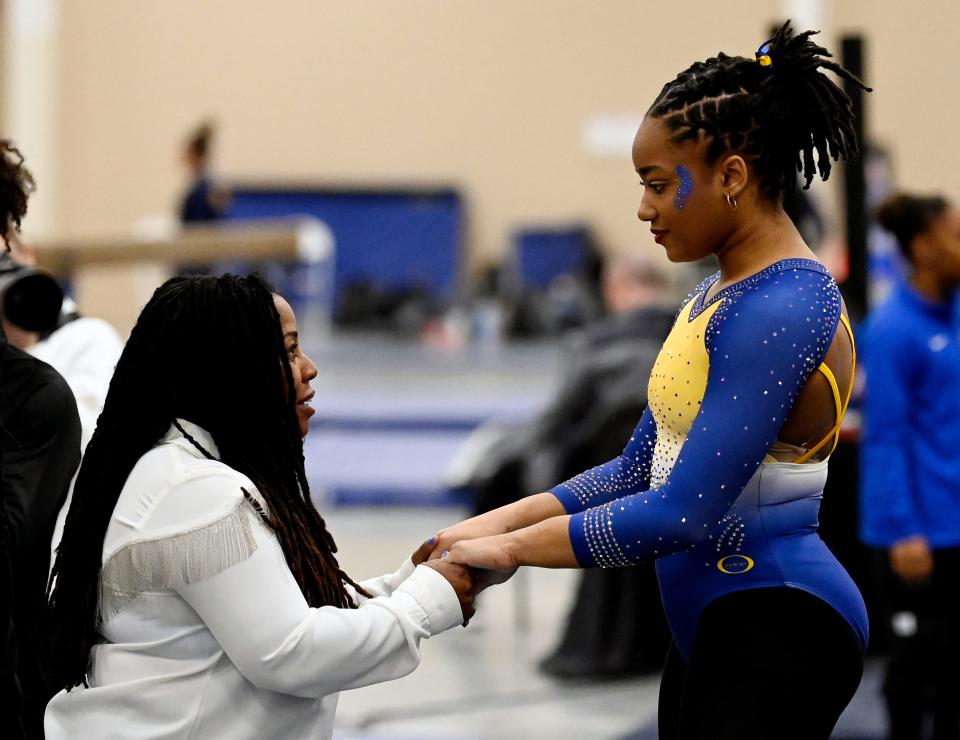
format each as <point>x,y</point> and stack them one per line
<point>205,631</point>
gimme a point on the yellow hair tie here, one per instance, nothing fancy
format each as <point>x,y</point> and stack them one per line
<point>763,55</point>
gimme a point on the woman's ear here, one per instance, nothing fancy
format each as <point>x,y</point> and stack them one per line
<point>734,175</point>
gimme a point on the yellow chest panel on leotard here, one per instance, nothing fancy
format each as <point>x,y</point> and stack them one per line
<point>677,386</point>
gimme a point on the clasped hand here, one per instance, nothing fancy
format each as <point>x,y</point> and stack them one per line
<point>470,557</point>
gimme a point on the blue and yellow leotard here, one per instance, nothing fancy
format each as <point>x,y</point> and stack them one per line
<point>695,488</point>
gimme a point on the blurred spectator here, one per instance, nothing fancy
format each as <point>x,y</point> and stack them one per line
<point>11,696</point>
<point>39,320</point>
<point>616,626</point>
<point>886,265</point>
<point>39,450</point>
<point>910,491</point>
<point>204,199</point>
<point>603,372</point>
<point>605,376</point>
<point>550,297</point>
<point>30,302</point>
<point>84,350</point>
<point>399,310</point>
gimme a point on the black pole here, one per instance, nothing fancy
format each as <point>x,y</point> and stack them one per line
<point>854,288</point>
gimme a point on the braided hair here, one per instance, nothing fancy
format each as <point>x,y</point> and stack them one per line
<point>16,185</point>
<point>210,350</point>
<point>777,111</point>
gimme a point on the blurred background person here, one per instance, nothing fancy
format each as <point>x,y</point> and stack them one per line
<point>588,420</point>
<point>39,452</point>
<point>616,626</point>
<point>84,350</point>
<point>30,302</point>
<point>41,321</point>
<point>886,265</point>
<point>604,365</point>
<point>204,200</point>
<point>910,472</point>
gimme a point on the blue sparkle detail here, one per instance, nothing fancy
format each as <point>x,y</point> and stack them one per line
<point>686,186</point>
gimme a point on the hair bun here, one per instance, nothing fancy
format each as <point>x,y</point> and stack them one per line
<point>906,216</point>
<point>200,138</point>
<point>797,93</point>
<point>894,214</point>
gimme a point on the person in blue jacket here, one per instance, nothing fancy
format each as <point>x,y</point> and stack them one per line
<point>205,201</point>
<point>721,482</point>
<point>910,468</point>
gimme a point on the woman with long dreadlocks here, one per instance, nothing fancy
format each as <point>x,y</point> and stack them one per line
<point>722,480</point>
<point>196,592</point>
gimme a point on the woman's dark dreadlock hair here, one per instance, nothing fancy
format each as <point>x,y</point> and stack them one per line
<point>16,185</point>
<point>775,115</point>
<point>907,216</point>
<point>209,350</point>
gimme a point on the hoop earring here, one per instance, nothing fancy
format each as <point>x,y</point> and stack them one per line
<point>731,201</point>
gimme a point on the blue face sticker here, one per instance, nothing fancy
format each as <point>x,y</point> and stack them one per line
<point>685,189</point>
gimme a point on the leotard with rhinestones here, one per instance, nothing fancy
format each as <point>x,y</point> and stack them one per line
<point>695,488</point>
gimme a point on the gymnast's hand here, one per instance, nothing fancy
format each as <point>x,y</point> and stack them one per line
<point>465,582</point>
<point>479,526</point>
<point>491,554</point>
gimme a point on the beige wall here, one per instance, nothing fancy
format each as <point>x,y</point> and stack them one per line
<point>911,64</point>
<point>486,94</point>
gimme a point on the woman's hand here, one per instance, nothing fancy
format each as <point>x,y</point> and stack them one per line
<point>464,582</point>
<point>510,518</point>
<point>422,553</point>
<point>912,560</point>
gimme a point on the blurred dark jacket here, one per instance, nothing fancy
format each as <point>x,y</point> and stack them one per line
<point>200,202</point>
<point>616,625</point>
<point>11,697</point>
<point>40,450</point>
<point>601,398</point>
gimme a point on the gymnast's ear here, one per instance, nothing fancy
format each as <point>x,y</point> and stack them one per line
<point>734,175</point>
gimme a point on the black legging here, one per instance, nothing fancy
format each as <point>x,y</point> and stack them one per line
<point>922,678</point>
<point>766,664</point>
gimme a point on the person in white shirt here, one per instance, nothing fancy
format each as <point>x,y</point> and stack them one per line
<point>196,590</point>
<point>84,350</point>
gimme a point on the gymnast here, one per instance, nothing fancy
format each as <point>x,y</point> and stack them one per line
<point>722,479</point>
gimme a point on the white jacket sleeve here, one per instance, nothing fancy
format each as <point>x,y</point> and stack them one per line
<point>385,585</point>
<point>257,613</point>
